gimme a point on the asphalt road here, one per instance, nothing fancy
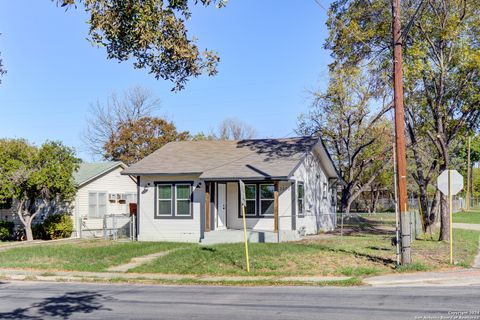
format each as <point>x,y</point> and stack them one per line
<point>41,300</point>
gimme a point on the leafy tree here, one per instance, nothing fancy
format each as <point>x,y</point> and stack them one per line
<point>151,33</point>
<point>441,69</point>
<point>201,136</point>
<point>35,177</point>
<point>105,119</point>
<point>136,139</point>
<point>357,138</point>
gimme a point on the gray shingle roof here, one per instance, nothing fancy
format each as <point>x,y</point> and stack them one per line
<point>88,171</point>
<point>245,159</point>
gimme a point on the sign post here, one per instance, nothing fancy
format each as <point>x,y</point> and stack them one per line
<point>243,202</point>
<point>450,182</point>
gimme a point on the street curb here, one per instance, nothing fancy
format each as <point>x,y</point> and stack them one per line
<point>37,275</point>
<point>446,278</point>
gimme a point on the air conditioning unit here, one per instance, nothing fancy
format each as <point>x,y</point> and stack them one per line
<point>112,197</point>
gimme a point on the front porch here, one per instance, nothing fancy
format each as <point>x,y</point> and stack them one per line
<point>269,214</point>
<point>255,236</point>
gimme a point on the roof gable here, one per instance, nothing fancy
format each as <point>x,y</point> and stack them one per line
<point>90,171</point>
<point>245,159</point>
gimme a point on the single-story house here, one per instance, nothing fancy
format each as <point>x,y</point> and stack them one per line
<point>102,190</point>
<point>189,190</point>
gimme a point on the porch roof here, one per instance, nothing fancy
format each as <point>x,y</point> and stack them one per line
<point>244,159</point>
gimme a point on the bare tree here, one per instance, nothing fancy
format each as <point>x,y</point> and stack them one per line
<point>235,129</point>
<point>358,138</point>
<point>105,119</point>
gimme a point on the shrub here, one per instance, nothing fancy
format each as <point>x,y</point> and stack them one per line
<point>38,231</point>
<point>6,230</point>
<point>57,226</point>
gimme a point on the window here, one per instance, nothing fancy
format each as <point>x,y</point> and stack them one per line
<point>183,199</point>
<point>251,197</point>
<point>97,204</point>
<point>267,192</point>
<point>174,200</point>
<point>164,192</point>
<point>300,198</point>
<point>325,190</point>
<point>131,198</point>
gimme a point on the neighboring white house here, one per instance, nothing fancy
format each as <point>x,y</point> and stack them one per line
<point>189,191</point>
<point>102,190</point>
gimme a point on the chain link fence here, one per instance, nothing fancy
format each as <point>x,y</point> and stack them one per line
<point>110,227</point>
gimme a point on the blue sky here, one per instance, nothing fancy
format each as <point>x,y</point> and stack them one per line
<point>271,56</point>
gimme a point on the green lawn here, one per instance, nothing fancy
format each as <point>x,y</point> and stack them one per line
<point>365,249</point>
<point>467,217</point>
<point>95,255</point>
<point>361,252</point>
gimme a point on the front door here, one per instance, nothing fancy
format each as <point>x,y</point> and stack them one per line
<point>221,206</point>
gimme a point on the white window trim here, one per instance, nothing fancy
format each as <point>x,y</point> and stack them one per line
<point>300,208</point>
<point>164,199</point>
<point>97,204</point>
<point>265,199</point>
<point>183,199</point>
<point>254,199</point>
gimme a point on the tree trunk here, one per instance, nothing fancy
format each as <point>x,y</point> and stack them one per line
<point>375,201</point>
<point>444,219</point>
<point>28,231</point>
<point>344,206</point>
<point>444,216</point>
<point>347,207</point>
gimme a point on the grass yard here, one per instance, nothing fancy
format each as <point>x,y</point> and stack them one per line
<point>364,250</point>
<point>94,255</point>
<point>467,217</point>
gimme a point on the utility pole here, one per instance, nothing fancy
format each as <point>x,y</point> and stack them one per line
<point>469,170</point>
<point>400,135</point>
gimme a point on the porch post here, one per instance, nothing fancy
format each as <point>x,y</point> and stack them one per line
<point>275,207</point>
<point>207,206</point>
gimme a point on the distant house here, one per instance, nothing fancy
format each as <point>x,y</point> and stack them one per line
<point>102,190</point>
<point>189,191</point>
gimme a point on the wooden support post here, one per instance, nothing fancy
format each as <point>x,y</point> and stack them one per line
<point>207,206</point>
<point>275,207</point>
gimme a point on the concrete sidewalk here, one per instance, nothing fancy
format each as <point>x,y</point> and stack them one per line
<point>466,226</point>
<point>460,277</point>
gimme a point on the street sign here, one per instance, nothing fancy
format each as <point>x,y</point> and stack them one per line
<point>243,199</point>
<point>450,182</point>
<point>456,181</point>
<point>243,202</point>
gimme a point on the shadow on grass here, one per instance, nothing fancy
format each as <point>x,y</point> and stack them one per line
<point>378,248</point>
<point>60,307</point>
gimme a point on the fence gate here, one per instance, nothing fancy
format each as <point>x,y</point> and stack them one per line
<point>110,227</point>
